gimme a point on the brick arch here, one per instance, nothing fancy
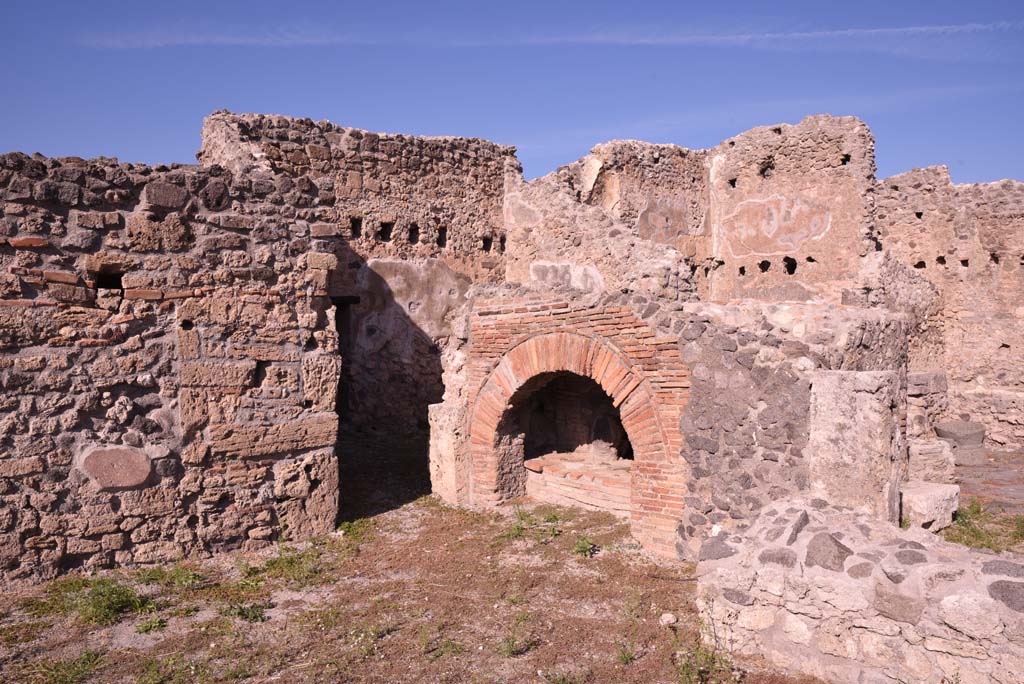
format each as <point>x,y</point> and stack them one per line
<point>652,428</point>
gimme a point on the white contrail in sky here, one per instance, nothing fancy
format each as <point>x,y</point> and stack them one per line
<point>316,36</point>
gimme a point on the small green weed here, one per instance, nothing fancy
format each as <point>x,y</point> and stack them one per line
<point>517,641</point>
<point>250,612</point>
<point>153,624</point>
<point>625,653</point>
<point>585,547</point>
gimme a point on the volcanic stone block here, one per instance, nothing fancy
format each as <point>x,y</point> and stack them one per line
<point>921,384</point>
<point>963,433</point>
<point>320,374</point>
<point>235,374</point>
<point>855,444</point>
<point>116,468</point>
<point>163,195</point>
<point>932,461</point>
<point>247,441</point>
<point>930,505</point>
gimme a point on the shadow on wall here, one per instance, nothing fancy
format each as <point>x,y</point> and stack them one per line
<point>390,317</point>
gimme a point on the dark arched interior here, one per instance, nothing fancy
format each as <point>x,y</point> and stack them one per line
<point>564,411</point>
<point>558,413</point>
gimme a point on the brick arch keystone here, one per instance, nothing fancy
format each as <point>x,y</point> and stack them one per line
<point>658,474</point>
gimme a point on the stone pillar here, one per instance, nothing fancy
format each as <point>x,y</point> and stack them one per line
<point>855,446</point>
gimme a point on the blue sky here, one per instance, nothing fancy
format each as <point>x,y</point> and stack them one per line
<point>939,82</point>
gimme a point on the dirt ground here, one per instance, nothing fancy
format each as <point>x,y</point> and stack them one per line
<point>421,593</point>
<point>408,590</point>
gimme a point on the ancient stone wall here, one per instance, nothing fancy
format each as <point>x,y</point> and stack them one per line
<point>968,242</point>
<point>790,210</point>
<point>169,347</point>
<point>837,594</point>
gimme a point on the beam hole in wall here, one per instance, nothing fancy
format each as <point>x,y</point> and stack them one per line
<point>565,418</point>
<point>767,167</point>
<point>743,270</point>
<point>414,233</point>
<point>965,262</point>
<point>919,214</point>
<point>442,237</point>
<point>109,280</point>
<point>811,260</point>
<point>940,260</point>
<point>355,227</point>
<point>764,266</point>
<point>845,159</point>
<point>260,375</point>
<point>790,265</point>
<point>386,229</point>
<point>187,324</point>
<point>920,264</point>
<point>486,243</point>
<point>993,257</point>
<point>732,182</point>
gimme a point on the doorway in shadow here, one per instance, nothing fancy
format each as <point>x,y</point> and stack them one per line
<point>391,373</point>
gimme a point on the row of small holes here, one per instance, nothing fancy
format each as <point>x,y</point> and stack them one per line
<point>767,168</point>
<point>788,263</point>
<point>387,228</point>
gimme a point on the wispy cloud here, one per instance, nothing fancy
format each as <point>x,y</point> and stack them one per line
<point>641,38</point>
<point>896,39</point>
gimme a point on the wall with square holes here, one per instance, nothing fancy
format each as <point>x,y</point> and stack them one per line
<point>967,241</point>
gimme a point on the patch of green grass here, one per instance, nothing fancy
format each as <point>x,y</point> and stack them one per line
<point>22,632</point>
<point>1018,528</point>
<point>297,568</point>
<point>977,528</point>
<point>179,577</point>
<point>325,620</point>
<point>171,670</point>
<point>153,624</point>
<point>585,547</point>
<point>68,671</point>
<point>250,612</point>
<point>358,530</point>
<point>96,601</point>
<point>552,518</point>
